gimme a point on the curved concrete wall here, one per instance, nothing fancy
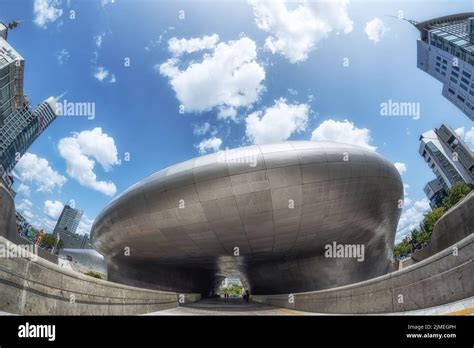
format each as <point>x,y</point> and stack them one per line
<point>29,286</point>
<point>454,225</point>
<point>439,279</point>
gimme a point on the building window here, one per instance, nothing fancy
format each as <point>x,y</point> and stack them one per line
<point>461,98</point>
<point>453,80</point>
<point>465,73</point>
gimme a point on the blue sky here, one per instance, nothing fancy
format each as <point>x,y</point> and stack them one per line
<point>242,74</point>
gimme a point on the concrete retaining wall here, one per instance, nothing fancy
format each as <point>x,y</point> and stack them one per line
<point>454,225</point>
<point>8,228</point>
<point>29,286</point>
<point>439,279</point>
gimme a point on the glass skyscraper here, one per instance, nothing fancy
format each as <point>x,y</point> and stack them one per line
<point>20,124</point>
<point>21,129</point>
<point>446,52</point>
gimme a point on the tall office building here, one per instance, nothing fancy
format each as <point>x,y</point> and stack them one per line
<point>435,192</point>
<point>449,157</point>
<point>11,77</point>
<point>446,52</point>
<point>68,220</point>
<point>21,129</point>
<point>66,229</point>
<point>20,124</point>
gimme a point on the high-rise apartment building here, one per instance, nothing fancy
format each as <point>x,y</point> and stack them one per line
<point>68,220</point>
<point>450,159</point>
<point>66,228</point>
<point>446,52</point>
<point>20,124</point>
<point>12,67</point>
<point>435,192</point>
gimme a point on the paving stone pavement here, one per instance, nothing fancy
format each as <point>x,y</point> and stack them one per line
<point>238,307</point>
<point>232,306</point>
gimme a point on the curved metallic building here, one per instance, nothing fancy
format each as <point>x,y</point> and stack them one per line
<point>85,260</point>
<point>265,214</point>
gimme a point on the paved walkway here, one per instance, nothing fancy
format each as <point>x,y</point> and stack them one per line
<point>238,307</point>
<point>232,306</point>
<point>462,307</point>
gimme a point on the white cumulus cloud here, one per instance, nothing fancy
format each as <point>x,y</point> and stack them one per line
<point>204,129</point>
<point>32,168</point>
<point>181,46</point>
<point>411,218</point>
<point>460,132</point>
<point>343,132</point>
<point>82,150</point>
<point>297,27</point>
<point>228,78</point>
<point>276,123</point>
<point>207,145</point>
<point>375,29</point>
<point>46,11</point>
<point>85,225</point>
<point>53,208</point>
<point>469,137</point>
<point>23,190</point>
<point>25,204</point>
<point>102,74</point>
<point>24,207</point>
<point>401,167</point>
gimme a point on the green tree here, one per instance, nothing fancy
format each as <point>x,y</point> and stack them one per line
<point>423,234</point>
<point>431,218</point>
<point>60,245</point>
<point>455,194</point>
<point>404,247</point>
<point>48,242</point>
